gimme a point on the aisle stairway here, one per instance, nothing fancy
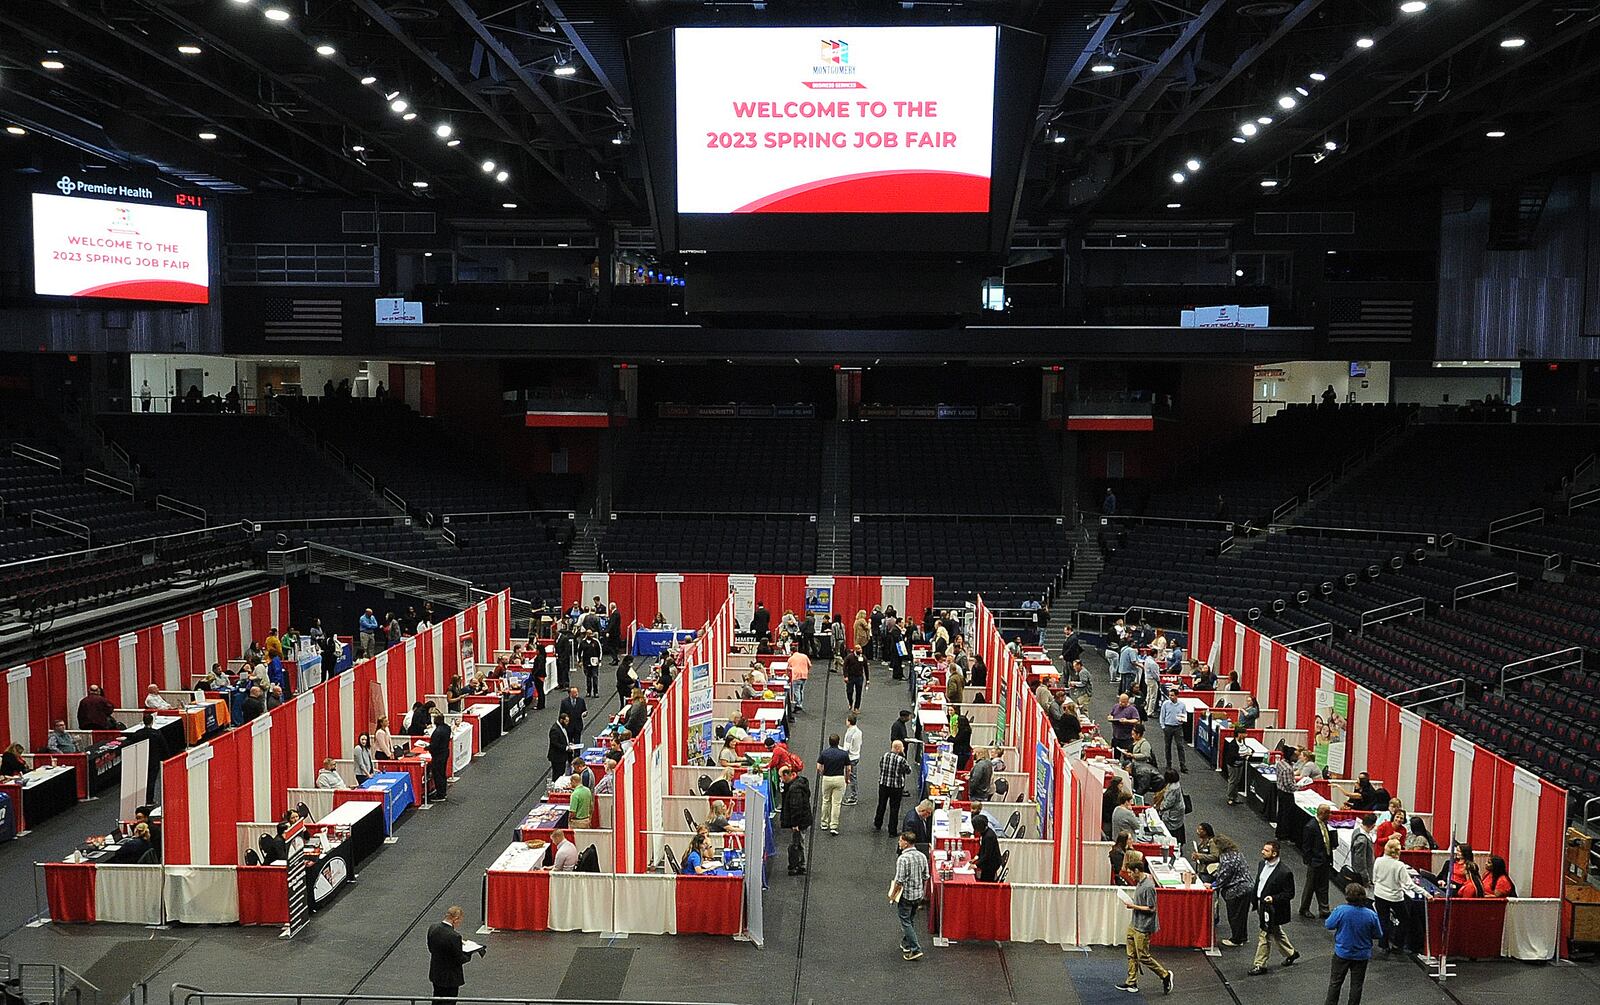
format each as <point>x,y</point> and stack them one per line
<point>833,507</point>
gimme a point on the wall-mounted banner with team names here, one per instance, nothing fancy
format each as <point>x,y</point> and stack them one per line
<point>834,120</point>
<point>119,250</point>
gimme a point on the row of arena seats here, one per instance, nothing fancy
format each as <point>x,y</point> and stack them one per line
<point>723,466</point>
<point>521,554</point>
<point>388,439</point>
<point>1007,561</point>
<point>689,544</point>
<point>100,578</point>
<point>110,516</point>
<point>238,467</point>
<point>895,468</point>
<point>1575,536</point>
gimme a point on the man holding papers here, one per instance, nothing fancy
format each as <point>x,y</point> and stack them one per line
<point>448,952</point>
<point>1143,924</point>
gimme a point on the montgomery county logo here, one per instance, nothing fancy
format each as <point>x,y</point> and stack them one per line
<point>835,51</point>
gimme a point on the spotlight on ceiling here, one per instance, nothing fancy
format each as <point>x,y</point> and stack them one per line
<point>1174,205</point>
<point>1248,129</point>
<point>1496,134</point>
<point>1058,138</point>
<point>1302,92</point>
<point>326,50</point>
<point>1269,183</point>
<point>399,105</point>
<point>1265,120</point>
<point>502,176</point>
<point>419,184</point>
<point>277,14</point>
<point>52,64</point>
<point>357,148</point>
<point>1192,164</point>
<point>1287,102</point>
<point>487,166</point>
<point>368,80</point>
<point>1318,76</point>
<point>1365,42</point>
<point>16,130</point>
<point>453,143</point>
<point>1413,7</point>
<point>566,71</point>
<point>443,130</point>
<point>1238,273</point>
<point>208,136</point>
<point>1514,42</point>
<point>409,116</point>
<point>1179,177</point>
<point>508,205</point>
<point>1329,145</point>
<point>189,49</point>
<point>1238,139</point>
<point>1103,65</point>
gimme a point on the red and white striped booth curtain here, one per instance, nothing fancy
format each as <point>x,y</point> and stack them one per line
<point>695,598</point>
<point>245,775</point>
<point>1473,794</point>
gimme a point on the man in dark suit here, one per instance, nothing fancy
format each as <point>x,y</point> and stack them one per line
<point>1272,896</point>
<point>558,747</point>
<point>439,750</point>
<point>158,752</point>
<point>989,855</point>
<point>446,956</point>
<point>761,621</point>
<point>573,708</point>
<point>1318,845</point>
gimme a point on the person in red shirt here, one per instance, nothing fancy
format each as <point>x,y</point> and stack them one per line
<point>1393,825</point>
<point>94,711</point>
<point>781,755</point>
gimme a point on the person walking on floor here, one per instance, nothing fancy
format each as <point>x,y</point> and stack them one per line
<point>906,893</point>
<point>1232,884</point>
<point>1173,715</point>
<point>446,955</point>
<point>1318,845</point>
<point>439,744</point>
<point>1141,925</point>
<point>1355,926</point>
<point>589,653</point>
<point>852,746</point>
<point>799,673</point>
<point>855,679</point>
<point>1273,899</point>
<point>832,766</point>
<point>794,815</point>
<point>892,772</point>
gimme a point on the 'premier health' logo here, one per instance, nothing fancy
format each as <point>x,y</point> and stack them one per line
<point>67,185</point>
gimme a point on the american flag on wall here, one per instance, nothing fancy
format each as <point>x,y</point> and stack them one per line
<point>286,319</point>
<point>1370,320</point>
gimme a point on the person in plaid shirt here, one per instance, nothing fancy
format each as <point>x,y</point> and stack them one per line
<point>892,772</point>
<point>907,891</point>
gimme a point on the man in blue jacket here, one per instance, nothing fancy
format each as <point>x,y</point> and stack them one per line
<point>368,628</point>
<point>1355,927</point>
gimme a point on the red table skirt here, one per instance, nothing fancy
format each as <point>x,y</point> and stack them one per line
<point>1418,858</point>
<point>518,901</point>
<point>1186,918</point>
<point>418,771</point>
<point>966,910</point>
<point>69,890</point>
<point>263,895</point>
<point>709,905</point>
<point>1476,927</point>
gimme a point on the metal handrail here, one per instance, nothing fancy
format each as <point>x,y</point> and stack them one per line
<point>365,475</point>
<point>1578,500</point>
<point>182,508</point>
<point>393,499</point>
<point>185,994</point>
<point>1550,560</point>
<point>92,476</point>
<point>1321,630</point>
<point>1227,525</point>
<point>85,554</point>
<point>343,564</point>
<point>1515,520</point>
<point>59,524</point>
<point>1284,508</point>
<point>1459,682</point>
<point>1573,657</point>
<point>35,455</point>
<point>1388,612</point>
<point>1321,484</point>
<point>1478,587</point>
<point>1582,468</point>
<point>661,513</point>
<point>328,521</point>
<point>484,516</point>
<point>1427,537</point>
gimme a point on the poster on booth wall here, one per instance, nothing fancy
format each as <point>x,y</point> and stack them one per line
<point>1331,729</point>
<point>469,657</point>
<point>743,589</point>
<point>819,599</point>
<point>701,692</point>
<point>1041,788</point>
<point>1000,719</point>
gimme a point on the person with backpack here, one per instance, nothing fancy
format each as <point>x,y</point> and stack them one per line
<point>794,814</point>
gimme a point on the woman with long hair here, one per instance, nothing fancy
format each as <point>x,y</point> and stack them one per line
<point>1234,883</point>
<point>382,742</point>
<point>861,635</point>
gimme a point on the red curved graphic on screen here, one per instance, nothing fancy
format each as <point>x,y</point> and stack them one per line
<point>881,192</point>
<point>170,291</point>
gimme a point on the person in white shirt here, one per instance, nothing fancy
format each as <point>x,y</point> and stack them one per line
<point>564,857</point>
<point>852,746</point>
<point>329,777</point>
<point>153,699</point>
<point>1392,883</point>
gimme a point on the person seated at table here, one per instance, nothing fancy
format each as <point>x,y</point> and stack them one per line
<point>1393,824</point>
<point>365,766</point>
<point>1068,726</point>
<point>60,741</point>
<point>456,689</point>
<point>1460,869</point>
<point>1206,853</point>
<point>1364,796</point>
<point>1108,804</point>
<point>613,754</point>
<point>580,804</point>
<point>253,707</point>
<point>153,699</point>
<point>723,785</point>
<point>418,724</point>
<point>382,742</point>
<point>637,715</point>
<point>1420,839</point>
<point>747,690</point>
<point>1120,847</point>
<point>564,854</point>
<point>694,860</point>
<point>1250,714</point>
<point>274,847</point>
<point>1308,769</point>
<point>757,677</point>
<point>960,737</point>
<point>659,622</point>
<point>1493,883</point>
<point>989,856</point>
<point>329,777</point>
<point>130,850</point>
<point>478,684</point>
<point>11,763</point>
<point>729,755</point>
<point>1123,819</point>
<point>980,781</point>
<point>1206,679</point>
<point>717,822</point>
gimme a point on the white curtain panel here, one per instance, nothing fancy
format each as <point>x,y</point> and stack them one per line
<point>250,835</point>
<point>77,683</point>
<point>202,895</point>
<point>1238,648</point>
<point>128,671</point>
<point>318,801</point>
<point>645,904</point>
<point>348,727</point>
<point>130,894</point>
<point>1097,863</point>
<point>894,595</point>
<point>1532,929</point>
<point>1360,719</point>
<point>1410,733</point>
<point>261,768</point>
<point>198,778</point>
<point>1465,752</point>
<point>1044,913</point>
<point>305,749</point>
<point>582,902</point>
<point>1525,792</point>
<point>208,621</point>
<point>1291,698</point>
<point>276,605</point>
<point>17,703</point>
<point>436,643</point>
<point>669,597</point>
<point>246,632</point>
<point>173,677</point>
<point>596,584</point>
<point>1102,920</point>
<point>409,656</point>
<point>1030,860</point>
<point>1264,674</point>
<point>1214,656</point>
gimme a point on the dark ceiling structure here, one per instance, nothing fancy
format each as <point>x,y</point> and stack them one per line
<point>1149,107</point>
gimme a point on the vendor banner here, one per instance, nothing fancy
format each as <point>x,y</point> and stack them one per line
<point>1330,729</point>
<point>701,692</point>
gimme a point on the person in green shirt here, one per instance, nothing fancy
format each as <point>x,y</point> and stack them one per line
<point>581,806</point>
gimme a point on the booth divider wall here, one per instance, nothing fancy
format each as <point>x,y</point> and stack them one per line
<point>1474,794</point>
<point>695,598</point>
<point>168,655</point>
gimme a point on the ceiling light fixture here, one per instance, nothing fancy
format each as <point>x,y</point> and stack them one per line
<point>1192,164</point>
<point>189,49</point>
<point>409,116</point>
<point>1496,134</point>
<point>1329,145</point>
<point>419,184</point>
<point>1238,139</point>
<point>565,71</point>
<point>1317,75</point>
<point>16,130</point>
<point>326,50</point>
<point>1514,42</point>
<point>1265,120</point>
<point>368,80</point>
<point>391,95</point>
<point>277,14</point>
<point>1058,138</point>
<point>1179,177</point>
<point>443,130</point>
<point>358,148</point>
<point>1302,92</point>
<point>399,105</point>
<point>502,176</point>
<point>1238,273</point>
<point>1365,43</point>
<point>616,140</point>
<point>1103,66</point>
<point>1248,129</point>
<point>1413,7</point>
<point>1269,183</point>
<point>207,136</point>
<point>508,205</point>
<point>453,143</point>
<point>52,64</point>
<point>1287,102</point>
<point>487,166</point>
<point>1174,205</point>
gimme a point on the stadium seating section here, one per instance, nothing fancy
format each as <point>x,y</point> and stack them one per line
<point>777,544</point>
<point>1007,561</point>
